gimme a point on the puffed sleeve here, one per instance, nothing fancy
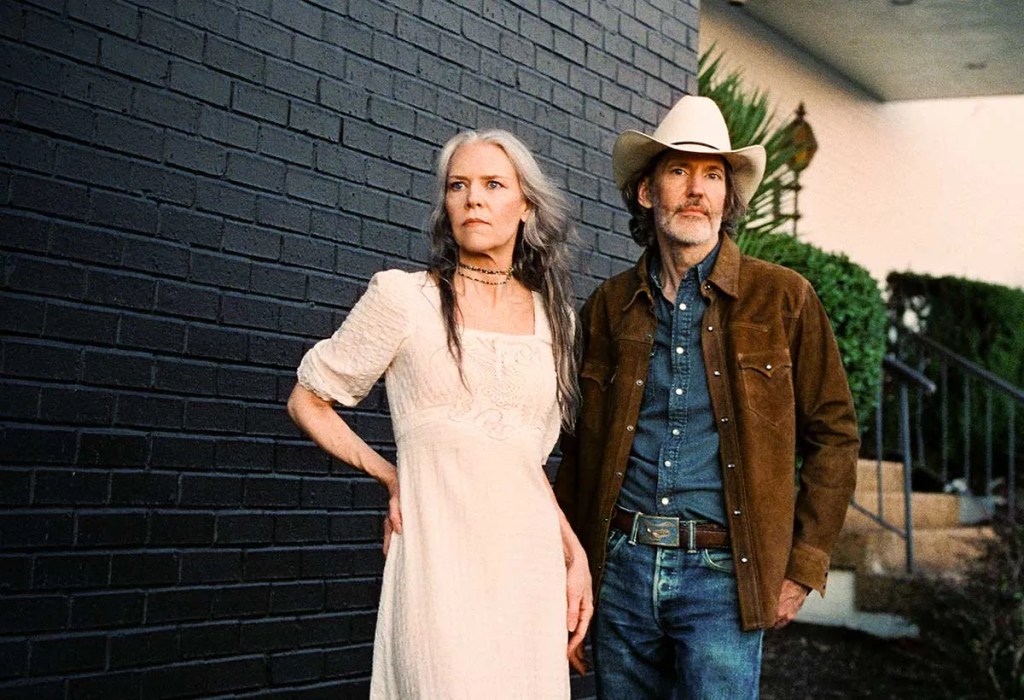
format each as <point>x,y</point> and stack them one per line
<point>344,367</point>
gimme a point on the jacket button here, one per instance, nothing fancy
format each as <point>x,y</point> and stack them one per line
<point>725,420</point>
<point>744,560</point>
<point>618,474</point>
<point>717,373</point>
<point>730,465</point>
<point>711,328</point>
<point>767,366</point>
<point>735,512</point>
<point>629,428</point>
<point>639,382</point>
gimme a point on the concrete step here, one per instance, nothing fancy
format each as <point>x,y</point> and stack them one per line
<point>839,608</point>
<point>930,511</point>
<point>867,477</point>
<point>936,552</point>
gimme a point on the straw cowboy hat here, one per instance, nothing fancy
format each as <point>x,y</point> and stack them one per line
<point>694,125</point>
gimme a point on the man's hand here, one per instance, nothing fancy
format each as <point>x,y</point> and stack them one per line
<point>790,601</point>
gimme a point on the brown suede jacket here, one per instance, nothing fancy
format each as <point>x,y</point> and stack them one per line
<point>777,387</point>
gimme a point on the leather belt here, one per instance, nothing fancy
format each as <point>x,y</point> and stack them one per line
<point>663,531</point>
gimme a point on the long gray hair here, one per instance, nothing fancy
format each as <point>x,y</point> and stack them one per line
<point>641,221</point>
<point>540,260</point>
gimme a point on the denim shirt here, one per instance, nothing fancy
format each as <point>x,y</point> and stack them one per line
<point>673,467</point>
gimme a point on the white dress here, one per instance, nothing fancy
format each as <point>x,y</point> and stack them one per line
<point>473,600</point>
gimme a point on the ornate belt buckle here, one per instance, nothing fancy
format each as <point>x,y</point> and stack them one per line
<point>658,530</point>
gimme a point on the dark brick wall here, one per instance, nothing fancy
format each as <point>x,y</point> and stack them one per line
<point>191,193</point>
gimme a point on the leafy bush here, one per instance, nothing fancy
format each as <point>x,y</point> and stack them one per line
<point>852,300</point>
<point>982,322</point>
<point>972,630</point>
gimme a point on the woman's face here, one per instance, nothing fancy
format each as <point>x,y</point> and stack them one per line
<point>484,201</point>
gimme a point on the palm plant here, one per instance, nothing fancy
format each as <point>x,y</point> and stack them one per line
<point>750,121</point>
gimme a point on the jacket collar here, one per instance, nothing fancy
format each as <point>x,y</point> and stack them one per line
<point>725,275</point>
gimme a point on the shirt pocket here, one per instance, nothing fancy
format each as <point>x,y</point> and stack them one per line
<point>767,380</point>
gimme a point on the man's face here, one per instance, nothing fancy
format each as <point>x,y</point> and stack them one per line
<point>687,195</point>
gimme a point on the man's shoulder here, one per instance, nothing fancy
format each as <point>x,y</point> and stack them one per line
<point>758,273</point>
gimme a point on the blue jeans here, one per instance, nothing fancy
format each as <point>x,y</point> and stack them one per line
<point>667,626</point>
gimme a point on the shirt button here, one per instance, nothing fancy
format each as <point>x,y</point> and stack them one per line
<point>680,351</point>
<point>664,501</point>
<point>668,462</point>
<point>682,307</point>
<point>675,431</point>
<point>679,392</point>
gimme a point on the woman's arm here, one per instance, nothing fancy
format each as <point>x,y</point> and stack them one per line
<point>578,591</point>
<point>318,419</point>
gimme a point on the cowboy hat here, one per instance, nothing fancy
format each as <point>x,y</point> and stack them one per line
<point>694,125</point>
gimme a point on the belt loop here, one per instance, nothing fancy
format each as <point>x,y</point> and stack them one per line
<point>632,530</point>
<point>691,536</point>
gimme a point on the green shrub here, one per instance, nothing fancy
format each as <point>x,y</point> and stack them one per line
<point>982,322</point>
<point>852,300</point>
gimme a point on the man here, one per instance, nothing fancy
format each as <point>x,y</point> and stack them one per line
<point>704,372</point>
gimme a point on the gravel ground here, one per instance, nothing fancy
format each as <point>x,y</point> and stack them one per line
<point>804,661</point>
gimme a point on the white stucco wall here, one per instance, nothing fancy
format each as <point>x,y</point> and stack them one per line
<point>934,186</point>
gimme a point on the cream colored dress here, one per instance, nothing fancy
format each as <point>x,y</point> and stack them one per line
<point>473,599</point>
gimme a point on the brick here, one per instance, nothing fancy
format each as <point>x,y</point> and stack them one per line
<point>23,65</point>
<point>95,610</point>
<point>79,406</point>
<point>178,605</point>
<point>15,486</point>
<point>296,667</point>
<point>278,282</point>
<point>252,241</point>
<point>36,529</point>
<point>183,376</point>
<point>282,213</point>
<point>297,597</point>
<point>120,290</point>
<point>336,226</point>
<point>123,212</point>
<point>259,103</point>
<point>170,36</point>
<point>233,59</point>
<point>174,451</point>
<point>275,351</point>
<point>235,601</point>
<point>211,639</point>
<point>315,121</point>
<point>110,529</point>
<point>116,369</point>
<point>51,196</point>
<point>217,343</point>
<point>144,568</point>
<point>248,454</point>
<point>36,445</point>
<point>195,154</point>
<point>23,316</point>
<point>207,677</point>
<point>343,33</point>
<point>24,231</point>
<point>35,613</point>
<point>229,128</point>
<point>163,184</point>
<point>59,656</point>
<point>113,449</point>
<point>210,490</point>
<point>357,527</point>
<point>13,658</point>
<point>177,528</point>
<point>211,566</point>
<point>344,97</point>
<point>16,575</point>
<point>286,145</point>
<point>248,528</point>
<point>41,362</point>
<point>266,37</point>
<point>62,37</point>
<point>117,17</point>
<point>263,173</point>
<point>67,571</point>
<point>214,416</point>
<point>143,489</point>
<point>187,300</point>
<point>301,527</point>
<point>297,82</point>
<point>105,685</point>
<point>143,647</point>
<point>26,149</point>
<point>130,59</point>
<point>308,253</point>
<point>348,661</point>
<point>273,564</point>
<point>140,332</point>
<point>374,15</point>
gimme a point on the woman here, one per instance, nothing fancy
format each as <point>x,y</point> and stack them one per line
<point>483,575</point>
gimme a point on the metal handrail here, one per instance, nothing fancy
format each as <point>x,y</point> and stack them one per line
<point>966,365</point>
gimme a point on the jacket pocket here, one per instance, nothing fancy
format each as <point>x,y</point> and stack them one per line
<point>602,375</point>
<point>767,377</point>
